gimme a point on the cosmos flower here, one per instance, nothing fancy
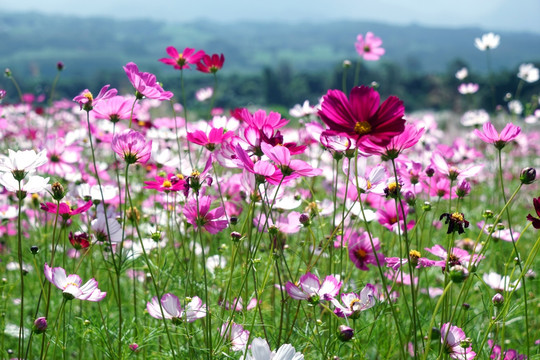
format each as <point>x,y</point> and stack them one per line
<point>468,88</point>
<point>528,73</point>
<point>71,285</point>
<point>173,310</point>
<point>354,304</point>
<point>488,41</point>
<point>22,162</point>
<point>310,288</point>
<point>87,101</point>
<point>33,184</point>
<point>362,253</point>
<point>211,220</point>
<point>145,84</point>
<point>455,256</point>
<point>64,209</point>
<point>184,59</point>
<point>212,140</point>
<point>211,64</point>
<point>369,47</point>
<point>114,109</point>
<point>260,350</point>
<point>491,136</point>
<point>360,116</point>
<point>500,283</point>
<point>236,335</point>
<point>131,146</point>
<point>171,183</point>
<point>454,342</point>
<point>535,221</point>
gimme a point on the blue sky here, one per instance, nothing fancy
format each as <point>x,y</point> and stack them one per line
<point>492,15</point>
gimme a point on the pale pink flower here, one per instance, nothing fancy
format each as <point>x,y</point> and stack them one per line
<point>236,334</point>
<point>71,285</point>
<point>87,101</point>
<point>468,88</point>
<point>353,304</point>
<point>173,310</point>
<point>491,136</point>
<point>453,339</point>
<point>310,288</point>
<point>369,47</point>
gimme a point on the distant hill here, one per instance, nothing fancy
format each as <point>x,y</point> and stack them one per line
<point>33,43</point>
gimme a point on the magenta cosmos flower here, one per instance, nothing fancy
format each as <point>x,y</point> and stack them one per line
<point>173,310</point>
<point>184,59</point>
<point>145,84</point>
<point>535,221</point>
<point>71,285</point>
<point>87,101</point>
<point>360,117</point>
<point>171,183</point>
<point>491,136</point>
<point>369,47</point>
<point>455,343</point>
<point>64,210</point>
<point>362,253</point>
<point>211,64</point>
<point>131,146</point>
<point>210,220</point>
<point>310,288</point>
<point>214,138</point>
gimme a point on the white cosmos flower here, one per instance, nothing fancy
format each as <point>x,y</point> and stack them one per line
<point>85,190</point>
<point>462,73</point>
<point>488,41</point>
<point>204,94</point>
<point>25,160</point>
<point>33,184</point>
<point>260,350</point>
<point>528,73</point>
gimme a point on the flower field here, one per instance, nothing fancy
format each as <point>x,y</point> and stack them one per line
<point>135,227</point>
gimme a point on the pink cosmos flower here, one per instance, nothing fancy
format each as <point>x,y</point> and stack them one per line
<point>263,170</point>
<point>87,101</point>
<point>453,339</point>
<point>210,220</point>
<point>354,304</point>
<point>145,84</point>
<point>490,135</point>
<point>498,354</point>
<point>452,172</point>
<point>236,334</point>
<point>131,146</point>
<point>64,209</point>
<point>500,283</point>
<point>456,256</point>
<point>290,168</point>
<point>310,288</point>
<point>468,88</point>
<point>214,138</point>
<point>211,64</point>
<point>407,139</point>
<point>173,310</point>
<point>184,59</point>
<point>114,109</point>
<point>71,285</point>
<point>362,253</point>
<point>167,184</point>
<point>369,47</point>
<point>360,116</point>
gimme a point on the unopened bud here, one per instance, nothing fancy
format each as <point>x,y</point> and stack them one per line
<point>304,219</point>
<point>60,66</point>
<point>34,249</point>
<point>58,192</point>
<point>345,333</point>
<point>497,300</point>
<point>528,175</point>
<point>40,325</point>
<point>458,274</point>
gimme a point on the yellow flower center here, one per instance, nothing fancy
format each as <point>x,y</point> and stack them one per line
<point>414,254</point>
<point>353,302</point>
<point>195,173</point>
<point>362,127</point>
<point>457,216</point>
<point>166,184</point>
<point>368,186</point>
<point>72,283</point>
<point>89,96</point>
<point>392,187</point>
<point>180,176</point>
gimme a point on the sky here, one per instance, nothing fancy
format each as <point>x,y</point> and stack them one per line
<point>490,15</point>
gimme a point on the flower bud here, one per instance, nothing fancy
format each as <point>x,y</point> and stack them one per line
<point>134,347</point>
<point>34,249</point>
<point>497,299</point>
<point>7,72</point>
<point>465,306</point>
<point>58,192</point>
<point>426,206</point>
<point>233,220</point>
<point>345,333</point>
<point>347,64</point>
<point>527,176</point>
<point>458,274</point>
<point>60,66</point>
<point>465,343</point>
<point>40,325</point>
<point>430,171</point>
<point>304,220</point>
<point>488,214</point>
<point>236,236</point>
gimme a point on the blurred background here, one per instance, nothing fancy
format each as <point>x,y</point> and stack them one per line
<point>277,53</point>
